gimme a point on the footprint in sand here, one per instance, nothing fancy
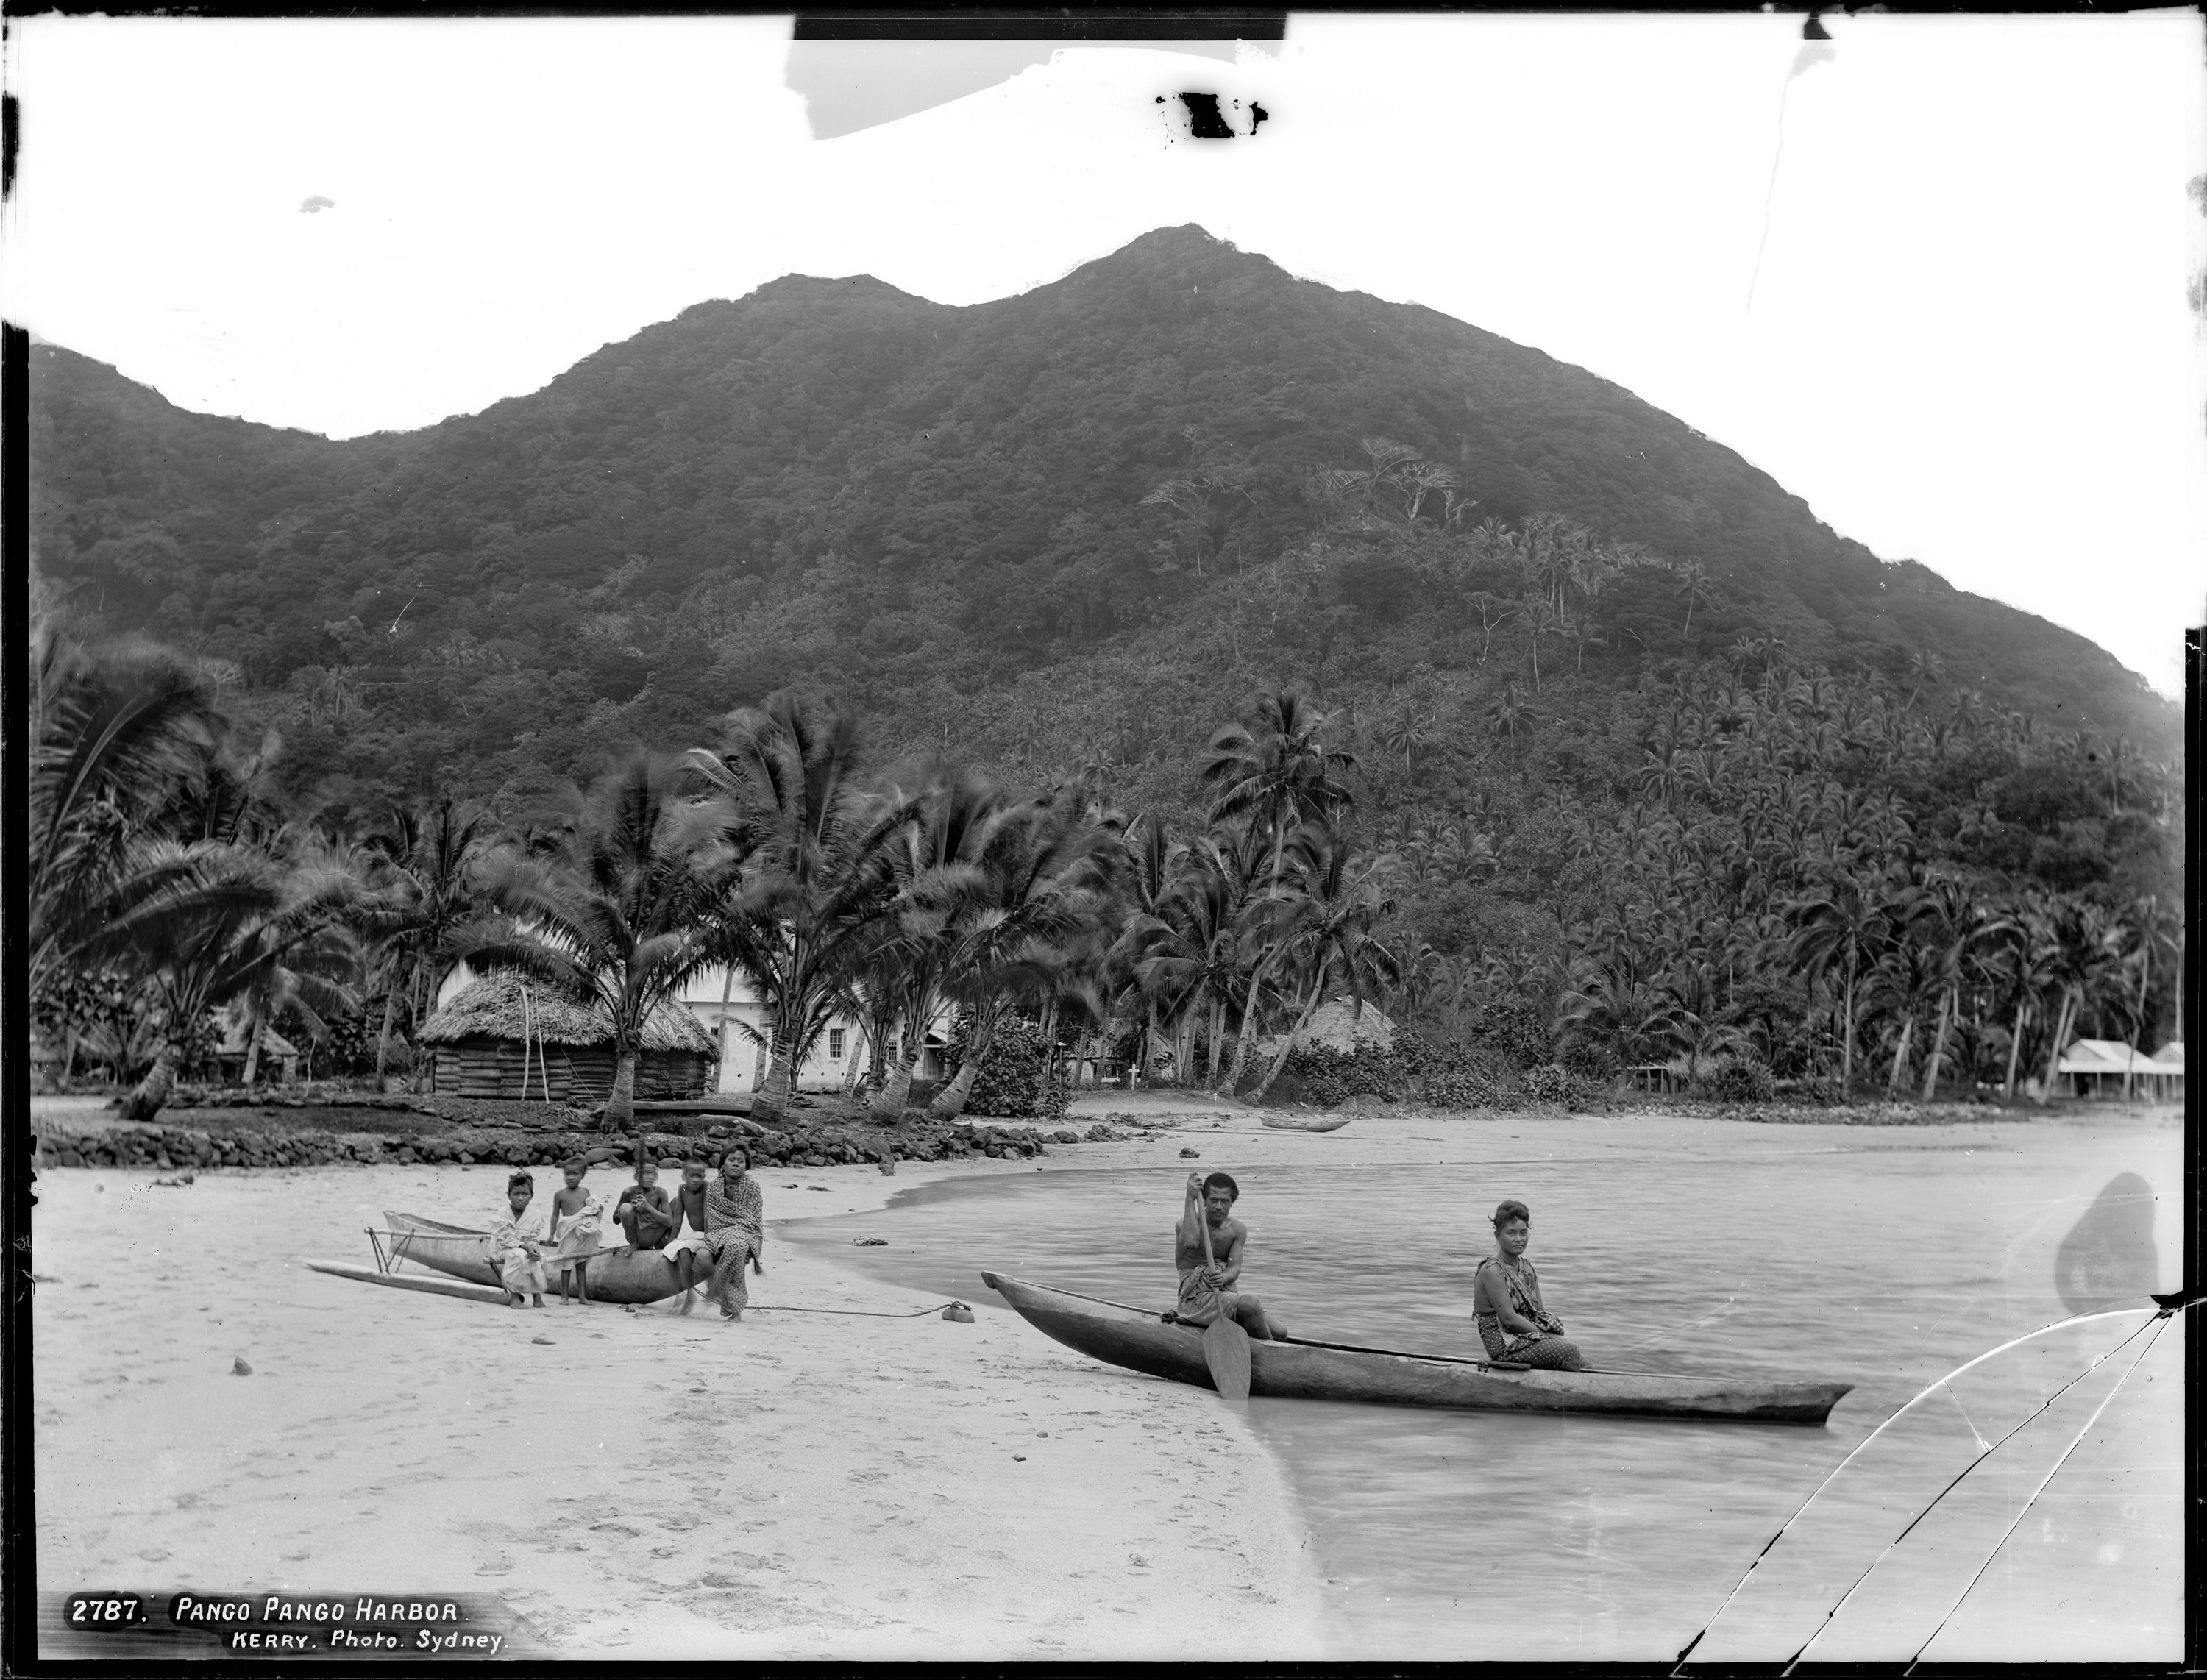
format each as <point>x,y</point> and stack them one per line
<point>153,1554</point>
<point>620,1529</point>
<point>496,1566</point>
<point>299,1557</point>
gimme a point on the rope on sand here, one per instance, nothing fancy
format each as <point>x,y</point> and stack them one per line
<point>851,1311</point>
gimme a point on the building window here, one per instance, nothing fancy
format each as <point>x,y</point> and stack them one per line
<point>835,1044</point>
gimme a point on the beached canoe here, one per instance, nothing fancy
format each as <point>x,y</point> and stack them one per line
<point>1141,1340</point>
<point>1301,1123</point>
<point>618,1275</point>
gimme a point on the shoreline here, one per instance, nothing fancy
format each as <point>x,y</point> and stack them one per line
<point>647,1484</point>
<point>793,1485</point>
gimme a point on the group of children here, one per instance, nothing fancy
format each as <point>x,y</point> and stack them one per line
<point>705,1232</point>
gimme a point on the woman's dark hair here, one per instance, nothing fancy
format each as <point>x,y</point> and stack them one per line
<point>1222,1181</point>
<point>1509,1211</point>
<point>736,1152</point>
<point>528,1179</point>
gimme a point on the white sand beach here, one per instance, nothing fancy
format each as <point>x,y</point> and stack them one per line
<point>648,1484</point>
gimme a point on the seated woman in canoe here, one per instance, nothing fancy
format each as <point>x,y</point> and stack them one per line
<point>1206,1286</point>
<point>1505,1301</point>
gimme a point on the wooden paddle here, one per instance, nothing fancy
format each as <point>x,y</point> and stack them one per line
<point>1225,1344</point>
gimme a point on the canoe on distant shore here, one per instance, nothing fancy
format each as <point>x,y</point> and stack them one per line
<point>1305,1122</point>
<point>1141,1340</point>
<point>619,1274</point>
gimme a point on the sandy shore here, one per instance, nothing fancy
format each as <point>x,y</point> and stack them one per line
<point>793,1485</point>
<point>648,1484</point>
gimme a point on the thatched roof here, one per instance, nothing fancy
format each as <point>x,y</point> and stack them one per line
<point>1340,1026</point>
<point>491,1009</point>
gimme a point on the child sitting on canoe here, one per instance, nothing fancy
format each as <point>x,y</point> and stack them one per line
<point>1206,1286</point>
<point>1505,1301</point>
<point>515,1242</point>
<point>574,1216</point>
<point>641,1212</point>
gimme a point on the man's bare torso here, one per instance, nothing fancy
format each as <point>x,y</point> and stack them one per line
<point>1226,1239</point>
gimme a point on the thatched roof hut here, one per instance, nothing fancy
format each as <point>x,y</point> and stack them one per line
<point>507,1036</point>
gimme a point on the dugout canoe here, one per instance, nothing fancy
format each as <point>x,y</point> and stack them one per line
<point>1298,1123</point>
<point>1137,1339</point>
<point>622,1275</point>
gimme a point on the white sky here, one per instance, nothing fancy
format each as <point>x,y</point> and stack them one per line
<point>1968,342</point>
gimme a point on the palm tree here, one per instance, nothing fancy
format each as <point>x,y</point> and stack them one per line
<point>1942,916</point>
<point>1277,773</point>
<point>1538,616</point>
<point>425,896</point>
<point>111,737</point>
<point>2086,957</point>
<point>1613,1007</point>
<point>1151,862</point>
<point>1338,899</point>
<point>1045,876</point>
<point>817,876</point>
<point>1692,1018</point>
<point>1509,714</point>
<point>622,916</point>
<point>936,865</point>
<point>1839,927</point>
<point>240,926</point>
<point>1185,957</point>
<point>1693,584</point>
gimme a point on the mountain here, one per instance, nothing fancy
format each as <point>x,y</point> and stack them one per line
<point>1077,525</point>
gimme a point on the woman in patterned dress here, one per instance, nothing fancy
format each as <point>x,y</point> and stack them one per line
<point>1505,1300</point>
<point>735,1231</point>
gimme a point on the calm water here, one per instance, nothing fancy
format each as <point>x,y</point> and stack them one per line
<point>1881,1256</point>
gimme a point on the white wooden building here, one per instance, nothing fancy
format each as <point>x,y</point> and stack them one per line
<point>2100,1067</point>
<point>725,1006</point>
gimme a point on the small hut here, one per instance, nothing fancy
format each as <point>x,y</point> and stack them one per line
<point>2117,1069</point>
<point>507,1036</point>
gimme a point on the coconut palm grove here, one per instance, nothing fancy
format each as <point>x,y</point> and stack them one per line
<point>1118,674</point>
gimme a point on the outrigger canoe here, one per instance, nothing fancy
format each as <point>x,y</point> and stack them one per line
<point>617,1275</point>
<point>1136,1340</point>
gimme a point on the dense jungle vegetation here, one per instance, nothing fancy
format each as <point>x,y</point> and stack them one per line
<point>1587,743</point>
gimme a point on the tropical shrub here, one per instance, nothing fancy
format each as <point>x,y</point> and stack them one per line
<point>1015,1081</point>
<point>1737,1078</point>
<point>1551,1083</point>
<point>1321,1074</point>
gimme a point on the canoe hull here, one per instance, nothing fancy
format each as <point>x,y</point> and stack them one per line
<point>1283,1123</point>
<point>1138,1341</point>
<point>621,1276</point>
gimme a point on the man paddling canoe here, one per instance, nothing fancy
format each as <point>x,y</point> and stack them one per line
<point>1206,1287</point>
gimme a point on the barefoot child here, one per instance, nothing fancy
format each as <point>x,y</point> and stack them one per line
<point>689,1250</point>
<point>514,1240</point>
<point>642,1211</point>
<point>1206,1287</point>
<point>574,1216</point>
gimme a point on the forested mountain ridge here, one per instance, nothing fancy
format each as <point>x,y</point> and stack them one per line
<point>1569,733</point>
<point>1152,477</point>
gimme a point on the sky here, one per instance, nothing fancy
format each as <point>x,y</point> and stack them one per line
<point>1931,278</point>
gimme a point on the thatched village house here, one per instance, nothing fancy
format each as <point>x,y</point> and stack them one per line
<point>504,1036</point>
<point>277,1062</point>
<point>726,1012</point>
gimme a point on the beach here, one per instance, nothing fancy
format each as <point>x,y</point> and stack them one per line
<point>791,1486</point>
<point>797,1484</point>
